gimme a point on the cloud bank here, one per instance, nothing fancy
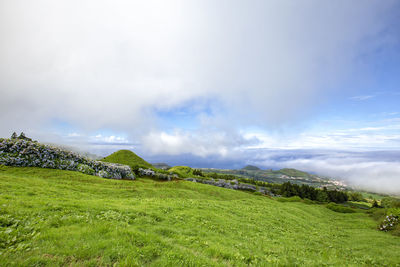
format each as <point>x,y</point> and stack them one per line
<point>97,64</point>
<point>378,171</point>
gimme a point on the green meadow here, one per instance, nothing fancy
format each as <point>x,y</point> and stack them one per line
<point>64,218</point>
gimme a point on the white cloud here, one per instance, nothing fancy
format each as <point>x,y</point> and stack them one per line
<point>350,139</point>
<point>111,139</point>
<point>196,143</point>
<point>110,65</point>
<point>362,97</point>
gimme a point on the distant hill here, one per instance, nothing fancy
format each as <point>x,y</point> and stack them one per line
<point>280,176</point>
<point>294,173</point>
<point>127,157</point>
<point>251,168</point>
<point>162,166</point>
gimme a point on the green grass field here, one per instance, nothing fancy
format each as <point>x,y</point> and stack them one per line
<point>53,217</point>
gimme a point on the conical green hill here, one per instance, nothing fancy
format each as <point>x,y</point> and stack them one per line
<point>127,157</point>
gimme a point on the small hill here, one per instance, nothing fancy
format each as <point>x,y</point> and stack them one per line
<point>251,168</point>
<point>127,157</point>
<point>182,171</point>
<point>294,172</point>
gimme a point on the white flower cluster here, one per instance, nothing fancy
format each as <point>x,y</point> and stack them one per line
<point>389,223</point>
<point>25,153</point>
<point>157,175</point>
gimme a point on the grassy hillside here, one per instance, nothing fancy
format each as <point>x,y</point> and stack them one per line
<point>293,172</point>
<point>127,157</point>
<point>182,171</point>
<point>53,217</point>
<point>280,176</point>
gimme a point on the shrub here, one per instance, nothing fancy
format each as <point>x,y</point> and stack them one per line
<point>389,223</point>
<point>355,196</point>
<point>83,168</point>
<point>375,204</point>
<point>198,172</point>
<point>390,202</point>
<point>24,153</point>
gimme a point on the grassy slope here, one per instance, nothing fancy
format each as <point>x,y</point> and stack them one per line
<point>127,157</point>
<point>293,172</point>
<point>182,171</point>
<point>86,220</point>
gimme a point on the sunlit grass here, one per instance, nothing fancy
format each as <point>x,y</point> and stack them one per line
<point>68,218</point>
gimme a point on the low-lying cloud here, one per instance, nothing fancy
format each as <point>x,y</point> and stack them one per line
<point>378,171</point>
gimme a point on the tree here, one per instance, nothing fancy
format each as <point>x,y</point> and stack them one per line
<point>23,137</point>
<point>355,196</point>
<point>322,196</point>
<point>14,135</point>
<point>375,204</point>
<point>198,172</point>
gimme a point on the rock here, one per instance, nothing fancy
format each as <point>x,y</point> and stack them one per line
<point>146,172</point>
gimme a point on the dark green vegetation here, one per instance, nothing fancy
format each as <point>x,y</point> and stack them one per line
<point>21,136</point>
<point>54,217</point>
<point>288,189</point>
<point>127,157</point>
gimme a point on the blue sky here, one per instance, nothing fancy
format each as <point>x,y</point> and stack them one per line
<point>306,84</point>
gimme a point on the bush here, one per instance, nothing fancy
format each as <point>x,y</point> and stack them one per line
<point>198,172</point>
<point>339,208</point>
<point>83,168</point>
<point>24,153</point>
<point>390,202</point>
<point>375,204</point>
<point>389,223</point>
<point>355,196</point>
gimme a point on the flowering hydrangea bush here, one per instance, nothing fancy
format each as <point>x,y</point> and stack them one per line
<point>157,175</point>
<point>26,153</point>
<point>389,223</point>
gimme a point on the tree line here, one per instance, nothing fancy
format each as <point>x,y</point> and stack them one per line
<point>288,189</point>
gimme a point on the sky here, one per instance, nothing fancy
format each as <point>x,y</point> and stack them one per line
<point>306,84</point>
